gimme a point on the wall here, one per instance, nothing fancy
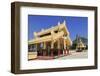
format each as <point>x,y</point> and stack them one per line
<point>5,35</point>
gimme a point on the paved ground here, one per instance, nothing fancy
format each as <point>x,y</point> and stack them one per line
<point>74,55</point>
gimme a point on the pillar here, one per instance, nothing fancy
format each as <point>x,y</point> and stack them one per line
<point>58,47</point>
<point>44,48</point>
<point>67,50</point>
<point>52,48</point>
<point>36,46</point>
<point>64,47</point>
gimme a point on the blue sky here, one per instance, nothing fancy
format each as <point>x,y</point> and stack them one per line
<point>75,25</point>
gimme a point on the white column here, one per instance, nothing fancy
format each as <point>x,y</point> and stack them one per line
<point>44,45</point>
<point>59,47</point>
<point>58,44</point>
<point>52,45</point>
<point>64,44</point>
<point>65,47</point>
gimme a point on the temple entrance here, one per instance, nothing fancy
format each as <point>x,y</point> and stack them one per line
<point>45,50</point>
<point>48,51</point>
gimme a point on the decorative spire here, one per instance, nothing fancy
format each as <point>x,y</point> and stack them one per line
<point>42,29</point>
<point>64,22</point>
<point>58,23</point>
<point>35,34</point>
<point>80,40</point>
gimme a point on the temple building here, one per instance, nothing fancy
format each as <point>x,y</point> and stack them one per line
<point>80,46</point>
<point>50,43</point>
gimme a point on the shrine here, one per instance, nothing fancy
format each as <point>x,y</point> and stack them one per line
<point>50,43</point>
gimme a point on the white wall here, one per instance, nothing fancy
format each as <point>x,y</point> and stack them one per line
<point>5,42</point>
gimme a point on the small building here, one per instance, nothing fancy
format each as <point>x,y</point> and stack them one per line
<point>80,46</point>
<point>51,43</point>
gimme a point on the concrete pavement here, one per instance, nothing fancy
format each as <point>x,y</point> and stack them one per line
<point>75,55</point>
